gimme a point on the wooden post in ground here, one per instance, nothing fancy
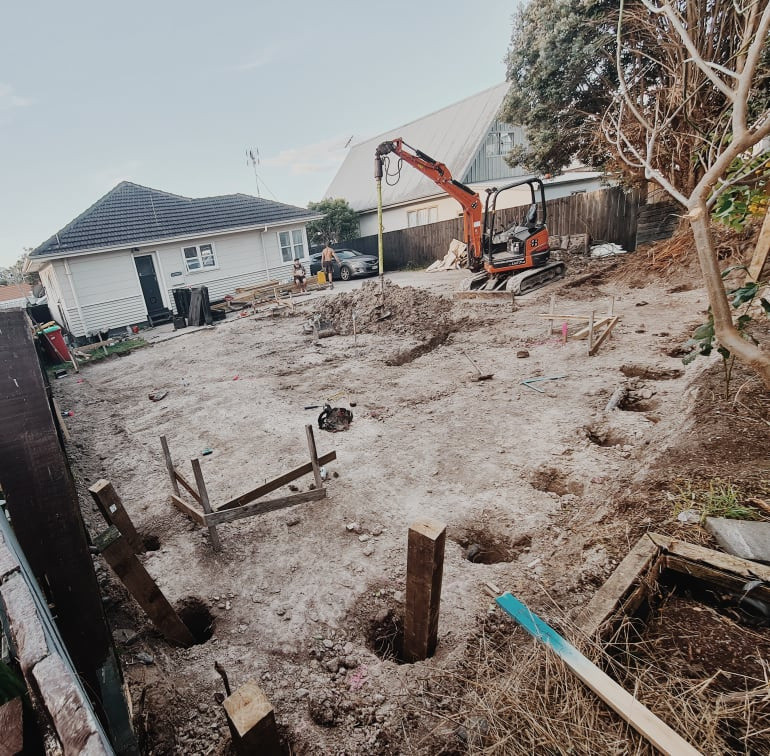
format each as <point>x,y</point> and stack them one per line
<point>196,466</point>
<point>44,506</point>
<point>112,510</point>
<point>591,332</point>
<point>550,312</point>
<point>313,456</point>
<point>424,570</point>
<point>118,554</point>
<point>169,465</point>
<point>252,722</point>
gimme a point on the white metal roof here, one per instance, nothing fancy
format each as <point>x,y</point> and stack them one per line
<point>451,135</point>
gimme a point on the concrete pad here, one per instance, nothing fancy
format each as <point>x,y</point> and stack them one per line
<point>742,538</point>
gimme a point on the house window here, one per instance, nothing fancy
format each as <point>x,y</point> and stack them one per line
<point>292,244</point>
<point>199,258</point>
<point>422,216</point>
<point>499,143</point>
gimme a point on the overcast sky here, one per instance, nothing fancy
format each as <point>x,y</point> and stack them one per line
<point>171,94</point>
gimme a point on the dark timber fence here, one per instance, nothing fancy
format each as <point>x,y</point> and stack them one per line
<point>606,215</point>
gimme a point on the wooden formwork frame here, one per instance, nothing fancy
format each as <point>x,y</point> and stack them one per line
<point>245,505</point>
<point>597,330</point>
<point>631,584</point>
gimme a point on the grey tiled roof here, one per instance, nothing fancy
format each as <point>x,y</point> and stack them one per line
<point>130,214</point>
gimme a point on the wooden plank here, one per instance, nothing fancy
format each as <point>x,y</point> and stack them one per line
<point>759,258</point>
<point>276,483</point>
<point>43,504</point>
<point>424,572</point>
<point>252,722</point>
<point>627,574</point>
<point>169,464</point>
<point>649,726</point>
<point>12,728</point>
<point>592,351</point>
<point>743,568</point>
<point>72,721</point>
<point>60,420</point>
<point>714,577</point>
<point>313,456</point>
<point>583,332</point>
<point>114,513</point>
<point>190,488</point>
<point>205,504</point>
<point>262,507</point>
<point>118,554</point>
<point>188,509</point>
<point>24,624</point>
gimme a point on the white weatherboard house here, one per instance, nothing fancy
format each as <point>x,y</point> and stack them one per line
<point>118,262</point>
<point>470,140</point>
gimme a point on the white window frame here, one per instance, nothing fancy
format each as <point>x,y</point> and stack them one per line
<point>431,210</point>
<point>199,257</point>
<point>292,246</point>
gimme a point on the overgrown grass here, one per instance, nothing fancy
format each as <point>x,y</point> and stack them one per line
<point>720,498</point>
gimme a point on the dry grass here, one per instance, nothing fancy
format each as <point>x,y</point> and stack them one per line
<point>513,696</point>
<point>669,255</point>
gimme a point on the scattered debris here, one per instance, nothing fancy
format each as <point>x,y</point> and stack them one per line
<point>455,258</point>
<point>206,452</point>
<point>529,381</point>
<point>335,419</point>
<point>480,376</point>
<point>619,395</point>
<point>607,250</point>
<point>522,354</point>
<point>156,396</point>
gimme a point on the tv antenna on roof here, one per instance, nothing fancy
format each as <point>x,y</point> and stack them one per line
<point>252,156</point>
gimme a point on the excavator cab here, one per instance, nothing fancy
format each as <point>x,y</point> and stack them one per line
<point>517,257</point>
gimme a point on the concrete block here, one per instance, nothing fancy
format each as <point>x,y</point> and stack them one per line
<point>742,538</point>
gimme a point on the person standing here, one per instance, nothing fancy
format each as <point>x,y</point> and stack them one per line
<point>327,260</point>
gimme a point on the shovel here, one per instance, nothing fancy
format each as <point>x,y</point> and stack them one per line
<point>481,376</point>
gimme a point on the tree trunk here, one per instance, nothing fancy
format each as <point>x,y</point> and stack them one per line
<point>750,355</point>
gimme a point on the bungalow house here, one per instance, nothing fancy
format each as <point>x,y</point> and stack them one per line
<point>118,263</point>
<point>471,140</point>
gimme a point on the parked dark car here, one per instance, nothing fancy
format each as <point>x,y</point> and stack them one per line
<point>351,264</point>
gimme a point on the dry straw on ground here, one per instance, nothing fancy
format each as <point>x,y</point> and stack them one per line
<point>513,696</point>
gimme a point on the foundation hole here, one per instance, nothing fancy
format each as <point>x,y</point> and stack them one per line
<point>386,636</point>
<point>198,618</point>
<point>482,547</point>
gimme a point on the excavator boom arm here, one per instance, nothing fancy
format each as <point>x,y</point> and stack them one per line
<point>442,176</point>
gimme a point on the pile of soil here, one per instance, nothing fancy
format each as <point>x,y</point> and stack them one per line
<point>413,312</point>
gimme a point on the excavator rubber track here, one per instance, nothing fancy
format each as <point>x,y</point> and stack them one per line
<point>536,278</point>
<point>520,283</point>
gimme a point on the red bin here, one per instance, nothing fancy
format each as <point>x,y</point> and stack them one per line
<point>54,342</point>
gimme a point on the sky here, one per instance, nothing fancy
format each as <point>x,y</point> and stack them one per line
<point>172,94</point>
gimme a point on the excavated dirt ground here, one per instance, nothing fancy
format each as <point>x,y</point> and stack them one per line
<point>542,491</point>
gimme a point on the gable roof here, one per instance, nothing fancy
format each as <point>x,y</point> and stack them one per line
<point>15,291</point>
<point>130,214</point>
<point>452,135</point>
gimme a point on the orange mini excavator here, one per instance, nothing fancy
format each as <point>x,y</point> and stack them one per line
<point>513,259</point>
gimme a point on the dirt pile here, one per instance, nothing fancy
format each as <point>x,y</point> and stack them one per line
<point>413,312</point>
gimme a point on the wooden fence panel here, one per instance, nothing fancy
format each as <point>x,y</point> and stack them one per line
<point>606,215</point>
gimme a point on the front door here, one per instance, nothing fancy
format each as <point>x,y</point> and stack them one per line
<point>148,280</point>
